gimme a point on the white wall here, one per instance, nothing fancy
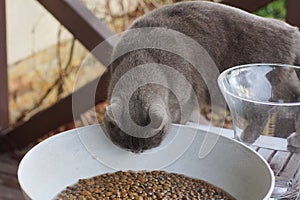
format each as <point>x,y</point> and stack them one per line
<point>22,17</point>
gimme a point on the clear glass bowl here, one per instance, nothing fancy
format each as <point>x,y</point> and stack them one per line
<point>264,99</point>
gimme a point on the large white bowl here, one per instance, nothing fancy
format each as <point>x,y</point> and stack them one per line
<point>85,152</point>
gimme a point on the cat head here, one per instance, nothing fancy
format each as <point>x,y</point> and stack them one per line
<point>145,130</point>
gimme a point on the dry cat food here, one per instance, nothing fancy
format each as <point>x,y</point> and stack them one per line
<point>142,185</point>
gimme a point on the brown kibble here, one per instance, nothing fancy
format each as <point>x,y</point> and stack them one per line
<point>142,185</point>
<point>108,194</point>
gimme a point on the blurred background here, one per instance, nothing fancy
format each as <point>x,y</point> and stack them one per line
<point>43,57</point>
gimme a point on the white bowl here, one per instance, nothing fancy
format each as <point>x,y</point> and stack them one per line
<point>85,152</point>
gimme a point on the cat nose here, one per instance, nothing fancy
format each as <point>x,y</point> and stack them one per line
<point>137,151</point>
<point>137,145</point>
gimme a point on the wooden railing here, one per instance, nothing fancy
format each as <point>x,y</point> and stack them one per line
<point>90,31</point>
<point>293,14</point>
<point>4,121</point>
<point>293,6</point>
<point>248,5</point>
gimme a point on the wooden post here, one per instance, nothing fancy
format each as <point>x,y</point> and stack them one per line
<point>4,115</point>
<point>293,14</point>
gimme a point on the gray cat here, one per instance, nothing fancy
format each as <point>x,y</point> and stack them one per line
<point>230,36</point>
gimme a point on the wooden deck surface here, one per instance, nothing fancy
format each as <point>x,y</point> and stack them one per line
<point>283,163</point>
<point>9,186</point>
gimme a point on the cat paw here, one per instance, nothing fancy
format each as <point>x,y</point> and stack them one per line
<point>294,140</point>
<point>250,135</point>
<point>248,138</point>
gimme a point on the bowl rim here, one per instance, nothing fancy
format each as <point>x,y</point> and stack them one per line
<point>223,74</point>
<point>271,175</point>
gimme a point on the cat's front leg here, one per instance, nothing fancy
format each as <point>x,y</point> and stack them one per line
<point>294,139</point>
<point>254,129</point>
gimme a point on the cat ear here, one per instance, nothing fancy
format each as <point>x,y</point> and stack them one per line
<point>116,107</point>
<point>109,112</point>
<point>158,116</point>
